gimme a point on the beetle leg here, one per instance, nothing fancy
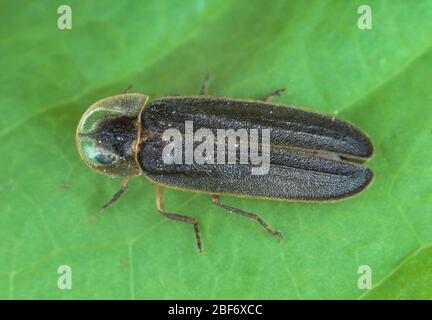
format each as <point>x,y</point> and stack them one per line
<point>127,89</point>
<point>114,198</point>
<point>276,93</point>
<point>178,217</point>
<point>204,84</point>
<point>253,216</point>
<point>117,195</point>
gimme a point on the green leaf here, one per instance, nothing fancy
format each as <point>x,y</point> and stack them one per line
<point>411,279</point>
<point>378,79</point>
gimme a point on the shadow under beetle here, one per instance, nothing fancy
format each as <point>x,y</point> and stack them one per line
<point>313,156</point>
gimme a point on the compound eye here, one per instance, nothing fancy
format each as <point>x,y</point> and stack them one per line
<point>104,158</point>
<point>95,154</point>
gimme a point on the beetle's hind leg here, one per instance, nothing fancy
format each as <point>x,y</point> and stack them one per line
<point>178,217</point>
<point>204,84</point>
<point>271,95</point>
<point>253,216</point>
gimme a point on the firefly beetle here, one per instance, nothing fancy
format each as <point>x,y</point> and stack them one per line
<point>310,156</point>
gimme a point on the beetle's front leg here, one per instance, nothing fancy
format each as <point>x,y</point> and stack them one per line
<point>271,95</point>
<point>114,198</point>
<point>204,84</point>
<point>253,216</point>
<point>127,89</point>
<point>178,217</point>
<point>117,195</point>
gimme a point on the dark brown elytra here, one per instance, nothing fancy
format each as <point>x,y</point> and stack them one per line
<point>313,156</point>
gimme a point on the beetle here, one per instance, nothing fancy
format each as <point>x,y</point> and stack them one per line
<point>311,156</point>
